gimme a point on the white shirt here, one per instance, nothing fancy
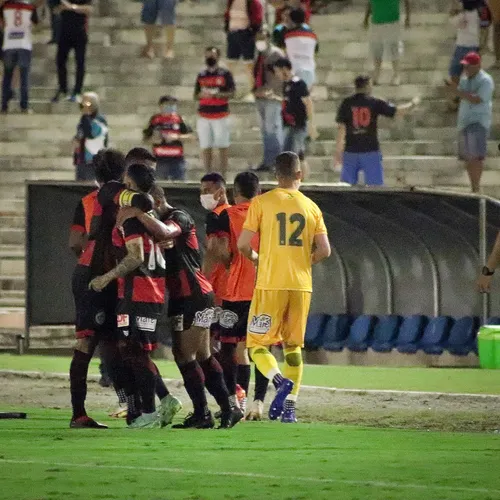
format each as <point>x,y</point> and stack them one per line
<point>300,46</point>
<point>17,29</point>
<point>467,23</point>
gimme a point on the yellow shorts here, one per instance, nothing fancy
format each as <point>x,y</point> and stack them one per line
<point>278,316</point>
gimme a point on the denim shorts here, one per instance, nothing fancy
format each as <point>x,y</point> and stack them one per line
<point>161,10</point>
<point>295,140</point>
<point>473,142</point>
<point>371,165</point>
<point>213,133</point>
<point>455,64</point>
<point>241,44</point>
<point>307,75</point>
<point>171,169</point>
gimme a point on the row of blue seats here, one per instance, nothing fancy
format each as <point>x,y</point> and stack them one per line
<point>385,333</point>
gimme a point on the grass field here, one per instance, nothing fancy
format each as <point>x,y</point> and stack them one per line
<point>473,381</point>
<point>41,459</point>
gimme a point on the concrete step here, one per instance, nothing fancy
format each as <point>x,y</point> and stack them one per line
<point>12,283</point>
<point>11,318</point>
<point>11,266</point>
<point>12,236</point>
<point>11,251</point>
<point>11,301</point>
<point>12,221</point>
<point>10,206</point>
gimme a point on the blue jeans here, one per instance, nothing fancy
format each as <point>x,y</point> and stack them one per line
<point>11,59</point>
<point>171,169</point>
<point>271,126</point>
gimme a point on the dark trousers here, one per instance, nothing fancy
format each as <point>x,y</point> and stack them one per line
<point>77,42</point>
<point>11,59</point>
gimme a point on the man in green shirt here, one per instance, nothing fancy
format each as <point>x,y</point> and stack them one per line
<point>386,34</point>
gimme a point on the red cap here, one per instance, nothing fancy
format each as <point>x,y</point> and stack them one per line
<point>471,59</point>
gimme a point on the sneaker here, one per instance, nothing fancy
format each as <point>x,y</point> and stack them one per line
<point>27,111</point>
<point>276,408</point>
<point>120,412</point>
<point>218,414</point>
<point>86,422</point>
<point>169,407</point>
<point>256,411</point>
<point>230,418</point>
<point>288,416</point>
<point>241,397</point>
<point>74,98</point>
<point>193,421</point>
<point>145,421</point>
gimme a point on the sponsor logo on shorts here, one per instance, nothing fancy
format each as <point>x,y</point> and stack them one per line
<point>260,324</point>
<point>228,319</point>
<point>100,318</point>
<point>217,314</point>
<point>204,319</point>
<point>146,324</point>
<point>178,323</point>
<point>123,320</point>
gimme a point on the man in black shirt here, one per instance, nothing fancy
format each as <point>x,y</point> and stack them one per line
<point>358,147</point>
<point>73,35</point>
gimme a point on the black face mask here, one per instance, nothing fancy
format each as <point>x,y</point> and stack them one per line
<point>211,61</point>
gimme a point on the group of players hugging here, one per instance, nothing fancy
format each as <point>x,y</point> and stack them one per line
<point>136,253</point>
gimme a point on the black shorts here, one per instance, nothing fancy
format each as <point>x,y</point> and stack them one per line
<point>241,44</point>
<point>95,311</point>
<point>233,321</point>
<point>138,329</point>
<point>191,311</point>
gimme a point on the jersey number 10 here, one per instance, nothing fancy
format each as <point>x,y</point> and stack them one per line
<point>295,239</point>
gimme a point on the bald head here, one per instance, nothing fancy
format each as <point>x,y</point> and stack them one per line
<point>288,166</point>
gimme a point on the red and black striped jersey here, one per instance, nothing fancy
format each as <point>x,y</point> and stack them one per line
<point>142,291</point>
<point>212,82</point>
<point>166,129</point>
<point>183,261</point>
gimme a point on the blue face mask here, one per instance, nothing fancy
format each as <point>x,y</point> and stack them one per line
<point>170,108</point>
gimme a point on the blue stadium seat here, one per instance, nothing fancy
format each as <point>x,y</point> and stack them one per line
<point>409,334</point>
<point>314,330</point>
<point>462,336</point>
<point>336,332</point>
<point>385,333</point>
<point>435,335</point>
<point>360,333</point>
<point>493,321</point>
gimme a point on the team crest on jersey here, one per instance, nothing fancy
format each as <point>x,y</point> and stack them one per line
<point>100,318</point>
<point>122,320</point>
<point>260,324</point>
<point>228,319</point>
<point>125,333</point>
<point>204,319</point>
<point>146,324</point>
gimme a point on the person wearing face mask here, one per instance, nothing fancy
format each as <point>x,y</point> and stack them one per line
<point>92,135</point>
<point>165,131</point>
<point>268,91</point>
<point>213,88</point>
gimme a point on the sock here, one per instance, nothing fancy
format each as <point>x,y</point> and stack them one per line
<point>229,365</point>
<point>294,367</point>
<point>78,371</point>
<point>161,389</point>
<point>145,379</point>
<point>261,384</point>
<point>244,377</point>
<point>289,404</point>
<point>214,382</point>
<point>194,382</point>
<point>122,395</point>
<point>133,407</point>
<point>266,364</point>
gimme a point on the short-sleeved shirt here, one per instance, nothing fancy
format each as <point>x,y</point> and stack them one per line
<point>263,71</point>
<point>166,128</point>
<point>219,80</point>
<point>359,113</point>
<point>17,18</point>
<point>74,23</point>
<point>469,113</point>
<point>287,222</point>
<point>294,110</point>
<point>301,44</point>
<point>83,213</point>
<point>183,262</point>
<point>385,11</point>
<point>142,291</point>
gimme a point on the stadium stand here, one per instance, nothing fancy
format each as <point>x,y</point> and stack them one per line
<point>336,331</point>
<point>360,334</point>
<point>410,332</point>
<point>385,333</point>
<point>462,336</point>
<point>314,331</point>
<point>436,332</point>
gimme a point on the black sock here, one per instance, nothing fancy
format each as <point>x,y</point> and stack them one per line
<point>230,367</point>
<point>145,377</point>
<point>261,384</point>
<point>78,371</point>
<point>244,377</point>
<point>161,388</point>
<point>194,382</point>
<point>289,404</point>
<point>122,395</point>
<point>214,382</point>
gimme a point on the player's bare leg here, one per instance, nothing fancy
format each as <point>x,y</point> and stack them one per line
<point>243,378</point>
<point>256,411</point>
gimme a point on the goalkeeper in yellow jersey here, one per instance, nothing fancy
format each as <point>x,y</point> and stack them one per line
<point>293,237</point>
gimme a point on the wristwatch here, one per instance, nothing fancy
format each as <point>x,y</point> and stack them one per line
<point>487,272</point>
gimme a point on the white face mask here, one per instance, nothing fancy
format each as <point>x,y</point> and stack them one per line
<point>208,202</point>
<point>261,45</point>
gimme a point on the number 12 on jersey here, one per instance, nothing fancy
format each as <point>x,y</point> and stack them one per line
<point>298,223</point>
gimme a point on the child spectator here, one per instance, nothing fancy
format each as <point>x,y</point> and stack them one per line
<point>166,130</point>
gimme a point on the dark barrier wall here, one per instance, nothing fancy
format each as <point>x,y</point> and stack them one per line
<point>393,252</point>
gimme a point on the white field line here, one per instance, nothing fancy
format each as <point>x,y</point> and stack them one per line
<point>95,378</point>
<point>251,475</point>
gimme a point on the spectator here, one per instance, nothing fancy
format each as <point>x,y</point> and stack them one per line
<point>280,29</point>
<point>17,49</point>
<point>55,21</point>
<point>386,34</point>
<point>282,5</point>
<point>494,6</point>
<point>164,10</point>
<point>298,112</point>
<point>301,46</point>
<point>268,91</point>
<point>358,148</point>
<point>475,92</point>
<point>91,136</point>
<point>166,130</point>
<point>485,23</point>
<point>73,35</point>
<point>243,19</point>
<point>213,89</point>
